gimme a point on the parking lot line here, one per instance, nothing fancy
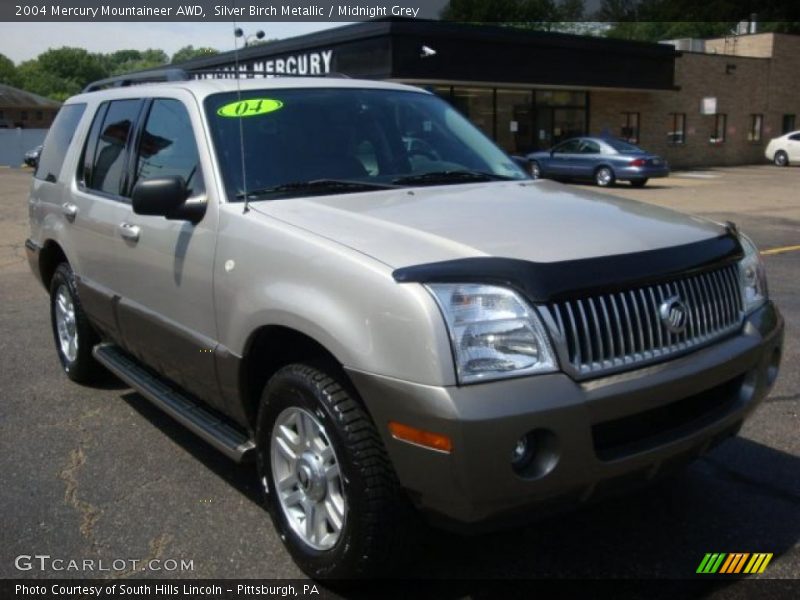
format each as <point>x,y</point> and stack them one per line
<point>781,250</point>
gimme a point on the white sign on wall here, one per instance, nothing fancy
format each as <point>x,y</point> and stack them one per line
<point>708,106</point>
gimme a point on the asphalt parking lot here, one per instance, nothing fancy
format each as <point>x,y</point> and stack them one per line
<point>98,473</point>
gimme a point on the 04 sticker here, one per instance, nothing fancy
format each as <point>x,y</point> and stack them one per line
<point>250,107</point>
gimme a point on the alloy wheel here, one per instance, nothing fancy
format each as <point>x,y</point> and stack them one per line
<point>307,479</point>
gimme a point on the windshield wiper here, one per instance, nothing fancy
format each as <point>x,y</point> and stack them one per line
<point>317,187</point>
<point>439,177</point>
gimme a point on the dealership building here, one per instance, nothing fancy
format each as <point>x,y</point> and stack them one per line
<point>696,102</point>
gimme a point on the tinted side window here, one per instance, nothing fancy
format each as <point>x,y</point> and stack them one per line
<point>568,147</point>
<point>105,154</point>
<point>589,147</point>
<point>167,146</point>
<point>795,137</point>
<point>58,140</point>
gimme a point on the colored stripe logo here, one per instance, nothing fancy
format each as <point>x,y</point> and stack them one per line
<point>734,562</point>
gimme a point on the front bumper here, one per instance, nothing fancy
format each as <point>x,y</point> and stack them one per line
<point>602,435</point>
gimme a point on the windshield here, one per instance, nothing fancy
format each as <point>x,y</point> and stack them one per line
<point>310,141</point>
<point>623,147</point>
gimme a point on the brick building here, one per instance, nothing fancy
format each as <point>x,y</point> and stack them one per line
<point>19,108</point>
<point>696,102</point>
<point>751,86</point>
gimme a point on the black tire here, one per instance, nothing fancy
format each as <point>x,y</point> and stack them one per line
<point>604,176</point>
<point>639,182</point>
<point>378,517</point>
<point>535,170</point>
<point>781,159</point>
<point>82,367</point>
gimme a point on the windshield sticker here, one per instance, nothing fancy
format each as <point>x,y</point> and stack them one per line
<point>250,107</point>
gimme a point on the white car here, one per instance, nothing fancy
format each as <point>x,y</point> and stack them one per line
<point>785,149</point>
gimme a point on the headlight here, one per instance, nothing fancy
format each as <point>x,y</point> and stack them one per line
<point>752,275</point>
<point>493,331</point>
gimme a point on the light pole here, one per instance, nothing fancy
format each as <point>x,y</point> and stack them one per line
<point>239,33</point>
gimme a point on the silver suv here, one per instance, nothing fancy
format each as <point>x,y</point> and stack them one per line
<point>350,283</point>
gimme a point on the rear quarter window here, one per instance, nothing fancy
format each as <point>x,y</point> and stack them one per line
<point>58,140</point>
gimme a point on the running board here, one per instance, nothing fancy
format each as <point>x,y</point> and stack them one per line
<point>174,402</point>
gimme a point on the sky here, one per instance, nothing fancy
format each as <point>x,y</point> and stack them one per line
<point>22,41</point>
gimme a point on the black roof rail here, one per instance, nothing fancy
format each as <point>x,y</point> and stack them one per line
<point>161,75</point>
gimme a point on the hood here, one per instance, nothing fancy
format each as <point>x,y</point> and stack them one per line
<point>539,221</point>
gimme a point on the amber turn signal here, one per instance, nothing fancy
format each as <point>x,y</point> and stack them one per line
<point>420,437</point>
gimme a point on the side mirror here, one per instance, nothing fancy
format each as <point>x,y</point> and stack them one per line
<point>166,197</point>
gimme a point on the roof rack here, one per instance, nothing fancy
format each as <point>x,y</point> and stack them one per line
<point>175,74</point>
<point>138,78</point>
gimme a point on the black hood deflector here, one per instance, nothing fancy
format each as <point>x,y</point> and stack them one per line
<point>546,282</point>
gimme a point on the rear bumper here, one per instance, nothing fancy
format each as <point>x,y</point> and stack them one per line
<point>649,172</point>
<point>599,435</point>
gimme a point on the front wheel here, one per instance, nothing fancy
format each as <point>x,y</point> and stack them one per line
<point>74,336</point>
<point>536,170</point>
<point>781,158</point>
<point>604,177</point>
<point>330,488</point>
<point>638,182</point>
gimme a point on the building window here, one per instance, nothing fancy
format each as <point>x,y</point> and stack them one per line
<point>788,123</point>
<point>515,124</point>
<point>756,124</point>
<point>477,104</point>
<point>39,115</point>
<point>718,132</point>
<point>630,127</point>
<point>24,115</point>
<point>2,115</point>
<point>677,132</point>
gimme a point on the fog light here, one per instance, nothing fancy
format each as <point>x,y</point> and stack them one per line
<point>535,454</point>
<point>520,451</point>
<point>523,452</point>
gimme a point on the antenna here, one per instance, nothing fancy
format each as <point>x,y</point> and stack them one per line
<point>237,32</point>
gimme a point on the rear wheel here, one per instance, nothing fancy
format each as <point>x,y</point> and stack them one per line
<point>330,488</point>
<point>781,158</point>
<point>73,335</point>
<point>604,177</point>
<point>639,182</point>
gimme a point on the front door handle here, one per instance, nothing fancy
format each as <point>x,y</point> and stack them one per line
<point>129,232</point>
<point>70,211</point>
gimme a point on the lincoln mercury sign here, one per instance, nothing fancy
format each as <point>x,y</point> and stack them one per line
<point>308,63</point>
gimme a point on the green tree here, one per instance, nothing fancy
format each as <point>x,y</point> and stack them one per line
<point>501,11</point>
<point>127,61</point>
<point>74,64</point>
<point>189,52</point>
<point>654,31</point>
<point>62,72</point>
<point>34,78</point>
<point>8,72</point>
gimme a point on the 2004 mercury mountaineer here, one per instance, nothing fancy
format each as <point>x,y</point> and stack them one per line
<point>350,282</point>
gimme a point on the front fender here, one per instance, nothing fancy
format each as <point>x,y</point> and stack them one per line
<point>271,273</point>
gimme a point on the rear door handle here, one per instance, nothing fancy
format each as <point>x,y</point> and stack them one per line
<point>129,232</point>
<point>70,211</point>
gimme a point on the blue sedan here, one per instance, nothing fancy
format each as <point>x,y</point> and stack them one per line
<point>602,160</point>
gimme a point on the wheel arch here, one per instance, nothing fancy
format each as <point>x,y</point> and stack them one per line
<point>50,256</point>
<point>604,166</point>
<point>272,347</point>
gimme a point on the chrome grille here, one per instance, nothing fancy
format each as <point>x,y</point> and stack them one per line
<point>624,329</point>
